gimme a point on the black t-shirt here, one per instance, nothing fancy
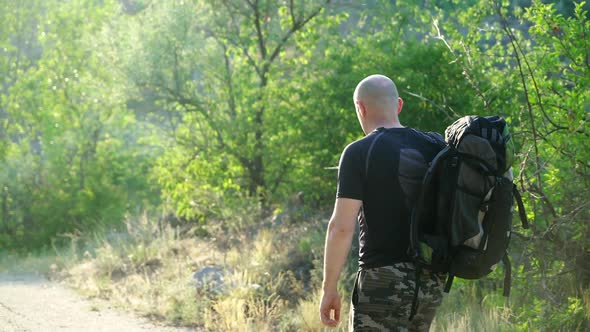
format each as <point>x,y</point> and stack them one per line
<point>388,184</point>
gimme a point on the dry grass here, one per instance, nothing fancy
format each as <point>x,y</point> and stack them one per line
<point>306,315</point>
<point>474,319</point>
<point>272,276</point>
<point>148,270</point>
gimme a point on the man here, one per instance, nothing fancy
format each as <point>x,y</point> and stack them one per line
<point>379,178</point>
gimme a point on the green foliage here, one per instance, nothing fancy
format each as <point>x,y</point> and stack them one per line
<point>219,72</point>
<point>218,112</point>
<point>67,162</point>
<point>536,75</point>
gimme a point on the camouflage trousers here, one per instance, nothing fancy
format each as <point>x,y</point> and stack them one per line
<point>382,299</point>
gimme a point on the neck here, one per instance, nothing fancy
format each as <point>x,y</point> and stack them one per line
<point>385,124</point>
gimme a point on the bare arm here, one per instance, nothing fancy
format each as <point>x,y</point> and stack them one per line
<point>338,242</point>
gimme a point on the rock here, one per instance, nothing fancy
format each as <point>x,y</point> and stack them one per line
<point>210,278</point>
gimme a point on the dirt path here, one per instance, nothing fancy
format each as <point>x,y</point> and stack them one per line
<point>30,303</point>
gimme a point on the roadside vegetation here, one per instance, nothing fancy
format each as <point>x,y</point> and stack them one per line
<point>264,279</point>
<point>270,284</point>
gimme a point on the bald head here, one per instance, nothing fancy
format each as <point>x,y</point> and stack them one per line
<point>377,91</point>
<point>377,103</point>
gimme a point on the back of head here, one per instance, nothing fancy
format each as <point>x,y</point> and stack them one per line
<point>378,92</point>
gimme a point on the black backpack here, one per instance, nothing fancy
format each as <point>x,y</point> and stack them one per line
<point>462,221</point>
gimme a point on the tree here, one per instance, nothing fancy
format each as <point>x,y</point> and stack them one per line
<point>20,51</point>
<point>64,168</point>
<point>217,65</point>
<point>532,66</point>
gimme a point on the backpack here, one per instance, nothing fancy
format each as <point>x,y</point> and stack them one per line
<point>462,220</point>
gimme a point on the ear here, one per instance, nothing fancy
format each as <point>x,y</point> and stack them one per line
<point>400,104</point>
<point>362,108</point>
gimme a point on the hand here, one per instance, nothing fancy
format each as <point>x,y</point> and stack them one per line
<point>330,304</point>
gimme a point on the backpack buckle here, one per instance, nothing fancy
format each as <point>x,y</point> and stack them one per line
<point>484,207</point>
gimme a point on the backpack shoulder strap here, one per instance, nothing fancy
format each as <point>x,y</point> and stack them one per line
<point>521,212</point>
<point>434,164</point>
<point>507,274</point>
<point>414,250</point>
<point>381,132</point>
<point>437,138</point>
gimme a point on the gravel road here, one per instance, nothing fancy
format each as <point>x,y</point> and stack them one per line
<point>30,303</point>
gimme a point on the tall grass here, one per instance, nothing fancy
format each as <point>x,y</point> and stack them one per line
<point>148,269</point>
<point>473,318</point>
<point>271,281</point>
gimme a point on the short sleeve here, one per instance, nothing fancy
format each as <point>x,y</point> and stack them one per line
<point>350,175</point>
